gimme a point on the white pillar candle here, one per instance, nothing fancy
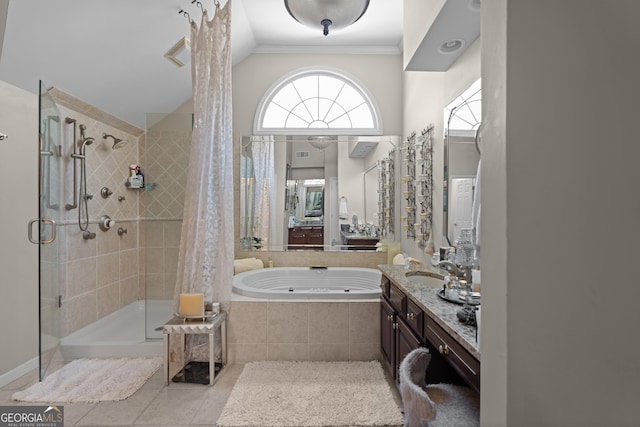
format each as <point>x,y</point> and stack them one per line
<point>192,304</point>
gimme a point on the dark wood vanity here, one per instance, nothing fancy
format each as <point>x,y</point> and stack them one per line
<point>414,316</point>
<point>306,237</point>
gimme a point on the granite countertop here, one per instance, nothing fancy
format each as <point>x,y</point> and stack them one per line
<point>444,313</point>
<point>357,236</point>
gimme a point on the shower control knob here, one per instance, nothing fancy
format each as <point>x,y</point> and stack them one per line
<point>106,223</point>
<point>105,192</point>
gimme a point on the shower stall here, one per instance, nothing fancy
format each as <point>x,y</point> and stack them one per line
<point>106,285</point>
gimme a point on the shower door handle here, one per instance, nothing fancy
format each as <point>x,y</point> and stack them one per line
<point>41,239</point>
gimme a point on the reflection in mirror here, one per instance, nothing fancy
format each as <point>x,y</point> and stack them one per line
<point>461,161</point>
<point>297,193</point>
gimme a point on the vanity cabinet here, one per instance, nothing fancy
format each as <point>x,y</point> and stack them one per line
<point>399,328</point>
<point>406,326</point>
<point>457,357</point>
<point>306,237</point>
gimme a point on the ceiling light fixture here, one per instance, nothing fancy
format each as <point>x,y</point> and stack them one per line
<point>451,46</point>
<point>321,142</point>
<point>323,14</point>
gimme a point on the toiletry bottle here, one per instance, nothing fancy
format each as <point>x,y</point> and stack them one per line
<point>141,175</point>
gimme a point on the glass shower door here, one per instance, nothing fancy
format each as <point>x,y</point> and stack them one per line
<point>49,209</point>
<point>165,161</point>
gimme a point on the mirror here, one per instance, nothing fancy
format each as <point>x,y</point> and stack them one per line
<point>305,192</point>
<point>461,157</point>
<point>314,206</point>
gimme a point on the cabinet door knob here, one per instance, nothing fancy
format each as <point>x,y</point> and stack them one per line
<point>443,350</point>
<point>389,317</point>
<point>395,326</point>
<point>411,316</point>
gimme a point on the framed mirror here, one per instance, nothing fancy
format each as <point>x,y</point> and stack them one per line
<point>303,192</point>
<point>462,148</point>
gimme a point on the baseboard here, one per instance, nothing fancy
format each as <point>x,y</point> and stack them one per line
<point>19,371</point>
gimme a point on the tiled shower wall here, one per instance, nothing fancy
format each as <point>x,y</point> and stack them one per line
<point>97,276</point>
<point>166,158</point>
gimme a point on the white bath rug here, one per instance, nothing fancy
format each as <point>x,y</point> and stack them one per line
<point>311,394</point>
<point>92,380</point>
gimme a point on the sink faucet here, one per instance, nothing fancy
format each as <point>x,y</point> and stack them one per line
<point>464,273</point>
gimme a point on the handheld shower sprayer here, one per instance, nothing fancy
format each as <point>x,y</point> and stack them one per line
<point>83,197</point>
<point>117,142</point>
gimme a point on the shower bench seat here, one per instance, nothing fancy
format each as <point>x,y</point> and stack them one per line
<point>182,327</point>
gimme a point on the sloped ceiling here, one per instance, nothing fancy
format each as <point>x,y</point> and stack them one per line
<point>110,53</point>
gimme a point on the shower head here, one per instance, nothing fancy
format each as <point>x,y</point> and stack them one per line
<point>117,142</point>
<point>86,141</point>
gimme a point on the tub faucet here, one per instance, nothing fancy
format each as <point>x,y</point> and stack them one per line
<point>464,273</point>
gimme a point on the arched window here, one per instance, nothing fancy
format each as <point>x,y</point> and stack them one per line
<point>317,101</point>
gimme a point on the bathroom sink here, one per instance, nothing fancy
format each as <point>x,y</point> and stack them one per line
<point>425,278</point>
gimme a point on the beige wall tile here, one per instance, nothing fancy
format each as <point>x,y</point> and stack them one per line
<point>287,351</point>
<point>129,240</point>
<point>81,276</point>
<point>108,299</point>
<point>370,351</point>
<point>328,323</point>
<point>329,352</point>
<point>169,285</point>
<point>154,260</point>
<point>287,323</point>
<point>171,260</point>
<point>128,263</point>
<point>81,311</point>
<point>364,322</point>
<point>129,291</point>
<point>247,322</point>
<point>154,234</point>
<point>245,353</point>
<point>154,286</point>
<point>172,231</point>
<point>108,268</point>
<point>77,247</point>
<point>108,242</point>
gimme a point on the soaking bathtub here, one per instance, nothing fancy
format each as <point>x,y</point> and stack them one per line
<point>301,313</point>
<point>305,283</point>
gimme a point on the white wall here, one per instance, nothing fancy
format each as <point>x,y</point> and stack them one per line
<point>560,92</point>
<point>425,96</point>
<point>380,74</point>
<point>18,257</point>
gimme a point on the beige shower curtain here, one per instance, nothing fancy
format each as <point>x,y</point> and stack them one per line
<point>205,262</point>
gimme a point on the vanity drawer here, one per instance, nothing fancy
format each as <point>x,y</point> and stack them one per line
<point>460,359</point>
<point>397,299</point>
<point>414,317</point>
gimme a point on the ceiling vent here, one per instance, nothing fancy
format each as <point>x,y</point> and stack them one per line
<point>360,149</point>
<point>302,154</point>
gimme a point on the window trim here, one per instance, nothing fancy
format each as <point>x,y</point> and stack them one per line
<point>278,85</point>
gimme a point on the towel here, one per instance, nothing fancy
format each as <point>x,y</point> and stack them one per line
<point>343,212</point>
<point>246,264</point>
<point>475,215</point>
<point>399,260</point>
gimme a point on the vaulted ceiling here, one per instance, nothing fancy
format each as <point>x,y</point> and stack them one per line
<point>110,53</point>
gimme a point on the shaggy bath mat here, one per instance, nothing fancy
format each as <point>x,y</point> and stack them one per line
<point>92,380</point>
<point>311,394</point>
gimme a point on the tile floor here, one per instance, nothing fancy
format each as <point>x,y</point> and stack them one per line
<point>155,404</point>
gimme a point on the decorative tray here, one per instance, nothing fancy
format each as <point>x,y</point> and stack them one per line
<point>455,300</point>
<point>207,315</point>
